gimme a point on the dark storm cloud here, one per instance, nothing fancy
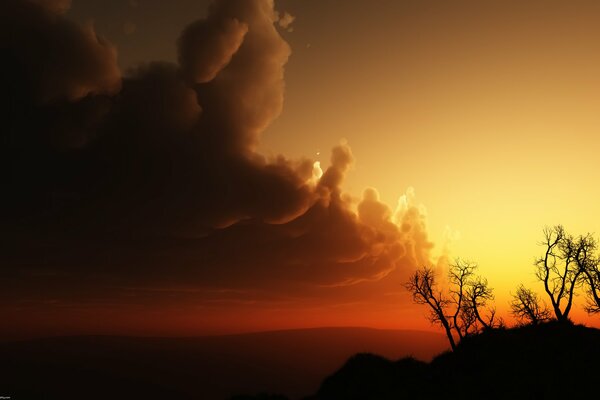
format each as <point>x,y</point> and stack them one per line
<point>55,6</point>
<point>205,49</point>
<point>154,178</point>
<point>54,58</point>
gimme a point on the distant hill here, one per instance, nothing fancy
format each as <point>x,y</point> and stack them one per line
<point>550,361</point>
<point>293,362</point>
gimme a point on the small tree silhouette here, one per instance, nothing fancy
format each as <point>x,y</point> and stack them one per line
<point>527,307</point>
<point>459,311</point>
<point>592,277</point>
<point>459,275</point>
<point>563,267</point>
<point>478,294</point>
<point>423,287</point>
<point>589,265</point>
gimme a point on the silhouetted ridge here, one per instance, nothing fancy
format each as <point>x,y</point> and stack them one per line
<point>548,361</point>
<point>370,376</point>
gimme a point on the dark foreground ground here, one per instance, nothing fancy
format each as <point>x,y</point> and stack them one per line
<point>103,367</point>
<point>550,361</point>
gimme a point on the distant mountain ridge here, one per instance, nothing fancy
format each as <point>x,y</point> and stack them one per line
<point>293,362</point>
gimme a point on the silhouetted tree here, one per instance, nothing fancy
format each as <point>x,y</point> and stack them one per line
<point>468,322</point>
<point>459,275</point>
<point>478,294</point>
<point>470,295</point>
<point>591,273</point>
<point>460,312</point>
<point>527,307</point>
<point>423,287</point>
<point>560,268</point>
<point>593,291</point>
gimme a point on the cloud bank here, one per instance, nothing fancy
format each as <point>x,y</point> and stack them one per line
<point>151,179</point>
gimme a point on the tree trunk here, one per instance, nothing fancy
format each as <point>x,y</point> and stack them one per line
<point>449,333</point>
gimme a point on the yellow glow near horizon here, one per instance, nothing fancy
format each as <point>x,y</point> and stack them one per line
<point>497,128</point>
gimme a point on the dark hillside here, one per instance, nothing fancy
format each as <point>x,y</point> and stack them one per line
<point>293,362</point>
<point>550,361</point>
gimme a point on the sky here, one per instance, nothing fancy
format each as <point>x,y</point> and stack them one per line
<point>159,160</point>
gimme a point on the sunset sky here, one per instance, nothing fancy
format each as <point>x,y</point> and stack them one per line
<point>182,197</point>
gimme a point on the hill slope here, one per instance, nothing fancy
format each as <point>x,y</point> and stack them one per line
<point>550,361</point>
<point>291,362</point>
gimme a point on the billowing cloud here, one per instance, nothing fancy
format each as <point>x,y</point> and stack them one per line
<point>55,6</point>
<point>205,48</point>
<point>153,179</point>
<point>50,58</point>
<point>285,20</point>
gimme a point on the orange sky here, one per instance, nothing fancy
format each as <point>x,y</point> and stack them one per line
<point>487,109</point>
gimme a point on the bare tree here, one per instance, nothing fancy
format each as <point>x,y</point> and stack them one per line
<point>586,246</point>
<point>478,294</point>
<point>527,307</point>
<point>460,311</point>
<point>470,294</point>
<point>468,321</point>
<point>423,287</point>
<point>559,270</point>
<point>592,288</point>
<point>459,276</point>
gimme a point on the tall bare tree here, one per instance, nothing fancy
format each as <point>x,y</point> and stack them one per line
<point>527,307</point>
<point>590,265</point>
<point>478,294</point>
<point>559,269</point>
<point>459,276</point>
<point>460,311</point>
<point>424,289</point>
<point>592,277</point>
